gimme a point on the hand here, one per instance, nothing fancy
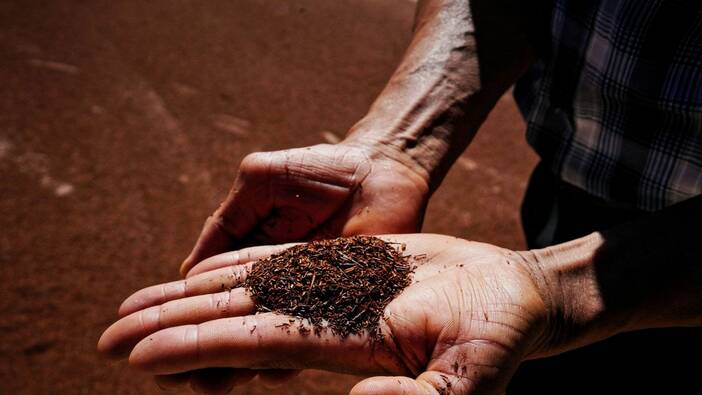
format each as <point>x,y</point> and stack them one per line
<point>307,193</point>
<point>471,315</point>
<point>315,192</point>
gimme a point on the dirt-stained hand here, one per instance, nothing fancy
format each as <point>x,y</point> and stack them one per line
<point>471,315</point>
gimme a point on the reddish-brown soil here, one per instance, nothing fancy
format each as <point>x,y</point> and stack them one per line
<point>121,126</point>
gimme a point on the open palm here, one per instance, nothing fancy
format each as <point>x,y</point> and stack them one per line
<point>471,315</point>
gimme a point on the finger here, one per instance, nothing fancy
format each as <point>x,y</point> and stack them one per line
<point>210,380</point>
<point>277,377</point>
<point>399,385</point>
<point>221,271</point>
<point>121,336</point>
<point>223,380</point>
<point>427,383</point>
<point>239,257</point>
<point>214,274</point>
<point>213,239</point>
<point>219,380</point>
<point>206,283</point>
<point>262,341</point>
<point>171,381</point>
<point>247,202</point>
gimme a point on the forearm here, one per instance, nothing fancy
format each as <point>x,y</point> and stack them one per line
<point>462,58</point>
<point>646,274</point>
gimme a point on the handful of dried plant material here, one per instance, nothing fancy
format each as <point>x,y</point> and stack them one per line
<point>346,282</point>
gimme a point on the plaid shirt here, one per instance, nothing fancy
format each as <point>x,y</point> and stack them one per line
<point>615,104</point>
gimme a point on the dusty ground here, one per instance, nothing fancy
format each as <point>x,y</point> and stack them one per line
<point>121,126</point>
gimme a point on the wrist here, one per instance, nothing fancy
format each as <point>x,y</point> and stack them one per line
<point>566,277</point>
<point>422,146</point>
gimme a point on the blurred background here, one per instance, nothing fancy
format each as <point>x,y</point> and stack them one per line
<point>122,124</point>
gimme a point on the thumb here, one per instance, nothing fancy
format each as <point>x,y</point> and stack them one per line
<point>397,385</point>
<point>427,383</point>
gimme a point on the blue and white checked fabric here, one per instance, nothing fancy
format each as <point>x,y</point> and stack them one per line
<point>614,106</point>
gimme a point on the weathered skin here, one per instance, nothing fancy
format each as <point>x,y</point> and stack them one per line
<point>473,313</point>
<point>448,81</point>
<point>439,95</point>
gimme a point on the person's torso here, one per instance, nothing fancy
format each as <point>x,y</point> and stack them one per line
<point>614,107</point>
